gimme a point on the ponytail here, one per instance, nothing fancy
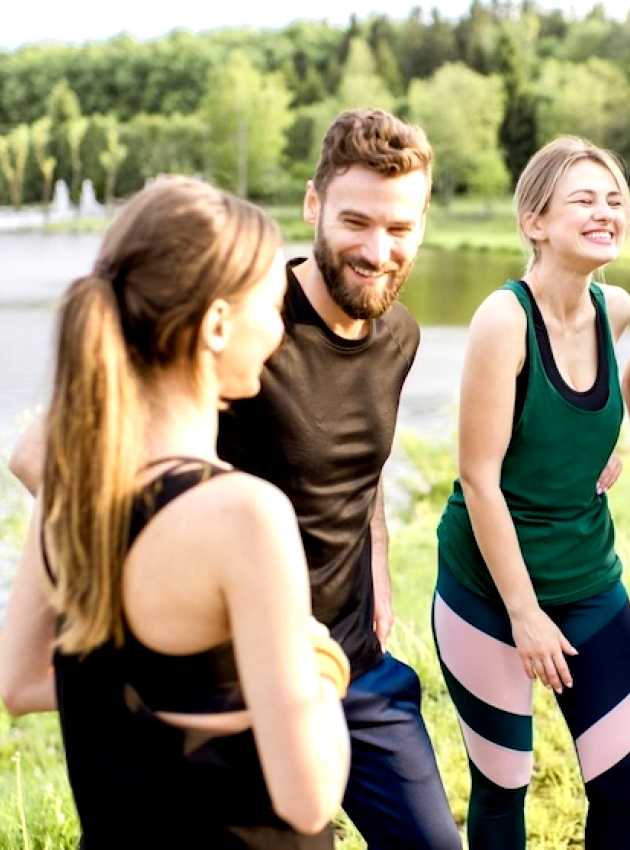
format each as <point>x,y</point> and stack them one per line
<point>92,456</point>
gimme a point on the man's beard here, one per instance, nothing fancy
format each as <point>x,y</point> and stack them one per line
<point>359,302</point>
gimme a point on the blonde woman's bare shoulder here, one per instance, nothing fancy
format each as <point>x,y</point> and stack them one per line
<point>498,322</point>
<point>618,307</point>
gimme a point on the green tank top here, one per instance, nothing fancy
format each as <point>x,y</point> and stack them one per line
<point>548,477</point>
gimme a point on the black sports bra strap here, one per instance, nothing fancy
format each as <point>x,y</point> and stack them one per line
<point>179,460</point>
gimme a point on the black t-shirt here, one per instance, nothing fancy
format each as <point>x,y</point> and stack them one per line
<point>321,429</point>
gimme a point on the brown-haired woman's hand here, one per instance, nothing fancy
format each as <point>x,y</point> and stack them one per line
<point>542,648</point>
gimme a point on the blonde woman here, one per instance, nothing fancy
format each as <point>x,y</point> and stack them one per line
<point>199,701</point>
<point>529,581</point>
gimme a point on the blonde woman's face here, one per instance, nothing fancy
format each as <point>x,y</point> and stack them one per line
<point>585,223</point>
<point>256,329</point>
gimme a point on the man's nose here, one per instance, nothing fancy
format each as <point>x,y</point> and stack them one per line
<point>377,247</point>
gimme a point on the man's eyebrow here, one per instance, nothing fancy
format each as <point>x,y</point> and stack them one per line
<point>354,214</point>
<point>363,217</point>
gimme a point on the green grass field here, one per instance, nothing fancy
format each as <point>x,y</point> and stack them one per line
<point>36,811</point>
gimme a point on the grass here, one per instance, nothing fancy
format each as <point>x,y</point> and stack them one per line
<point>39,815</point>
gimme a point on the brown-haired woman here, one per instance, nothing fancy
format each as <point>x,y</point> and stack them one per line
<point>178,585</point>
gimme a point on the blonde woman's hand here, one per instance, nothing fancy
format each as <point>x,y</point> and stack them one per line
<point>542,648</point>
<point>609,474</point>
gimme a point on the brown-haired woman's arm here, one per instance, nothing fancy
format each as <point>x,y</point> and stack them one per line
<point>297,718</point>
<point>26,646</point>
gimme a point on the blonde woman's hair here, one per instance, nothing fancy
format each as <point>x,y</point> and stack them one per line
<point>176,246</point>
<point>546,168</point>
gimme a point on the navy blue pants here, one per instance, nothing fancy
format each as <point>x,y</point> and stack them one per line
<point>395,796</point>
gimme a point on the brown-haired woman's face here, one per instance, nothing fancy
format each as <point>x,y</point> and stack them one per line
<point>585,222</point>
<point>256,329</point>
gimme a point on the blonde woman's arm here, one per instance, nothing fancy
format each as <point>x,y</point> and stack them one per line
<point>494,356</point>
<point>26,646</point>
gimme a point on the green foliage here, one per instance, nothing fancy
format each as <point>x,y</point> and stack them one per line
<point>461,111</point>
<point>14,148</point>
<point>111,159</point>
<point>162,144</point>
<point>559,73</point>
<point>247,112</point>
<point>62,104</point>
<point>588,99</point>
<point>40,138</point>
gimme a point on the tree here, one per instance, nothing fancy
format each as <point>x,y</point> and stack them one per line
<point>111,159</point>
<point>75,129</point>
<point>14,149</point>
<point>40,138</point>
<point>589,99</point>
<point>360,84</point>
<point>461,112</point>
<point>518,134</point>
<point>63,104</point>
<point>247,113</point>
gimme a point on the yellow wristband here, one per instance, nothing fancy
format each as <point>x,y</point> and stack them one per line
<point>331,662</point>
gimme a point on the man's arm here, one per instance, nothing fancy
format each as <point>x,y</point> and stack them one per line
<point>27,459</point>
<point>26,647</point>
<point>383,615</point>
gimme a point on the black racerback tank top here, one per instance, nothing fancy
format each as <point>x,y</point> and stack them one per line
<point>140,783</point>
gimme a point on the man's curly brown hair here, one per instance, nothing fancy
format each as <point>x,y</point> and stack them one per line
<point>374,139</point>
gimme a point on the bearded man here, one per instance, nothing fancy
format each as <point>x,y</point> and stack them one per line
<point>321,429</point>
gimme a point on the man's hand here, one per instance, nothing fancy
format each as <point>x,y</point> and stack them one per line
<point>383,617</point>
<point>383,614</point>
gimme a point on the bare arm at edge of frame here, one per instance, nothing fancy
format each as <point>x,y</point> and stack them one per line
<point>383,614</point>
<point>26,647</point>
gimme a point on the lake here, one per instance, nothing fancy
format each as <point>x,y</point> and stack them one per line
<point>443,292</point>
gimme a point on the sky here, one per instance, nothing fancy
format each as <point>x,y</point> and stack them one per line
<point>77,21</point>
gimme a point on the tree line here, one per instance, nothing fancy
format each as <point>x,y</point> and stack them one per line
<point>247,107</point>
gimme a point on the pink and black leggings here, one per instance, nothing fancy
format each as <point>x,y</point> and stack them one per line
<point>493,699</point>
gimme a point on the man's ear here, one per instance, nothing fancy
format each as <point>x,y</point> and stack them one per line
<point>311,207</point>
<point>217,326</point>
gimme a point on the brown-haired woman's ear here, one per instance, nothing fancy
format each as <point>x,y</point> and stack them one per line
<point>216,326</point>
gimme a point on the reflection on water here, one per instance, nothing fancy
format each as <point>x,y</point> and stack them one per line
<point>447,286</point>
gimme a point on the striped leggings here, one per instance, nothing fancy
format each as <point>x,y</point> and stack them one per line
<point>493,699</point>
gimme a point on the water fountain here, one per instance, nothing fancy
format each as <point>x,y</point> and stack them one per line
<point>89,207</point>
<point>60,208</point>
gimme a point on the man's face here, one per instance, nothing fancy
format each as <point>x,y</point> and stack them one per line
<point>368,230</point>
